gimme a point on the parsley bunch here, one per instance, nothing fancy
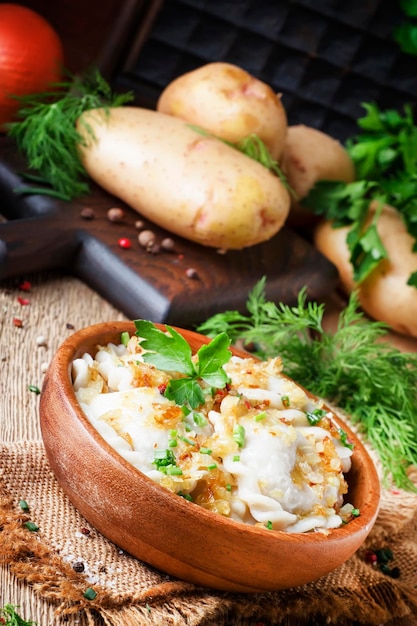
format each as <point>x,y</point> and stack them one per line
<point>373,382</point>
<point>170,352</point>
<point>385,158</point>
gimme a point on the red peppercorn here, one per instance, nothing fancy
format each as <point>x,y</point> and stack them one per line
<point>371,557</point>
<point>124,243</point>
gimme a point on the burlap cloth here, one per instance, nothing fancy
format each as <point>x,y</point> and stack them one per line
<point>128,591</point>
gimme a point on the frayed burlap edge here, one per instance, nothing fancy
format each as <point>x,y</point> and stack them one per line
<point>173,604</point>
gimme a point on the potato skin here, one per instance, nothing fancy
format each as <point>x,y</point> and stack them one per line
<point>229,102</point>
<point>309,156</point>
<point>384,295</point>
<point>194,186</point>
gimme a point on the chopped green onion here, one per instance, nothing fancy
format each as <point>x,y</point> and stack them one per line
<point>186,496</point>
<point>344,439</point>
<point>205,450</point>
<point>171,470</point>
<point>163,458</point>
<point>239,435</point>
<point>314,417</point>
<point>269,525</point>
<point>285,401</point>
<point>187,440</point>
<point>355,512</point>
<point>124,338</point>
<point>199,419</point>
<point>172,443</point>
<point>236,457</point>
<point>212,466</point>
<point>260,416</point>
<point>228,487</point>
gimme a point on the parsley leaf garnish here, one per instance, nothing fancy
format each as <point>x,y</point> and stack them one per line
<point>372,381</point>
<point>170,352</point>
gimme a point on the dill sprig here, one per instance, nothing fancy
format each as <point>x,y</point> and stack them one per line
<point>353,368</point>
<point>254,148</point>
<point>46,132</point>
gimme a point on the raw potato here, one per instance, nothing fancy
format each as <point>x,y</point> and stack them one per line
<point>229,102</point>
<point>194,186</point>
<point>309,156</point>
<point>385,295</point>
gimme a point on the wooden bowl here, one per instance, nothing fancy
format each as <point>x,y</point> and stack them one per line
<point>166,531</point>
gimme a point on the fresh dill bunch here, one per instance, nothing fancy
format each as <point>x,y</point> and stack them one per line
<point>353,368</point>
<point>46,131</point>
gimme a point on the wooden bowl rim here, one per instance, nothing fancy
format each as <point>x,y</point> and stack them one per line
<point>60,369</point>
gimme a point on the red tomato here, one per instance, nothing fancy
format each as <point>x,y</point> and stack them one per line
<point>31,57</point>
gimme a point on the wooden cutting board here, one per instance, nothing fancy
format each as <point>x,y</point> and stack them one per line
<point>39,232</point>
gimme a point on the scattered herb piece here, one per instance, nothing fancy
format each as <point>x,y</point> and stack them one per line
<point>186,496</point>
<point>344,439</point>
<point>314,417</point>
<point>90,594</point>
<point>17,322</point>
<point>239,435</point>
<point>372,381</point>
<point>169,351</point>
<point>23,301</point>
<point>285,401</point>
<point>24,506</point>
<point>124,338</point>
<point>188,441</point>
<point>163,458</point>
<point>46,132</point>
<point>205,450</point>
<point>34,389</point>
<point>268,525</point>
<point>31,526</point>
<point>212,466</point>
<point>10,617</point>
